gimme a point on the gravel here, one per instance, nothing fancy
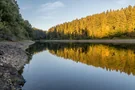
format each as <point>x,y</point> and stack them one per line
<point>13,57</point>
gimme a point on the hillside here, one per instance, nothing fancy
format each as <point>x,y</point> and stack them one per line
<point>109,24</point>
<point>12,26</point>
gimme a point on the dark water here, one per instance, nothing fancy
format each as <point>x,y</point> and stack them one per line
<point>80,67</point>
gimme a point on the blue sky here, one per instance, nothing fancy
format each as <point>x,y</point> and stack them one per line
<point>44,14</point>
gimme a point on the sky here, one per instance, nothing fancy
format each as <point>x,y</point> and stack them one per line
<point>44,14</point>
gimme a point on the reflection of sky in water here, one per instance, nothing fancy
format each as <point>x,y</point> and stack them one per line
<point>49,72</point>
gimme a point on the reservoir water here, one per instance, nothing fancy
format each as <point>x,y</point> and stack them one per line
<point>80,66</point>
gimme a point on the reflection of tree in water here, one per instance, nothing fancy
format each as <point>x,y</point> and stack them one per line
<point>110,57</point>
<point>103,56</point>
<point>33,49</point>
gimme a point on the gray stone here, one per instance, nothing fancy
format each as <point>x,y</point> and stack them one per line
<point>13,57</point>
<point>1,52</point>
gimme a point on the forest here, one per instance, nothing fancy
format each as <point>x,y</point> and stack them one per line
<point>13,27</point>
<point>110,24</point>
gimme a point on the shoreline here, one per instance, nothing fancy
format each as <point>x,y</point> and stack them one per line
<point>118,41</point>
<point>13,57</point>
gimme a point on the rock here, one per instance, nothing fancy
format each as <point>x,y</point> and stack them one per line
<point>1,64</point>
<point>13,57</point>
<point>10,79</point>
<point>1,52</point>
<point>1,74</point>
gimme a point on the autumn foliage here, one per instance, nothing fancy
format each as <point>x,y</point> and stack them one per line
<point>106,24</point>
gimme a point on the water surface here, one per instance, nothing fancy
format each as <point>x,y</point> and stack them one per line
<point>76,66</point>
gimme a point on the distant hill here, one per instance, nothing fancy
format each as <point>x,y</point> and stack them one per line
<point>109,24</point>
<point>38,34</point>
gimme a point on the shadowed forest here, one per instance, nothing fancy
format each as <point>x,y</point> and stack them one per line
<point>13,27</point>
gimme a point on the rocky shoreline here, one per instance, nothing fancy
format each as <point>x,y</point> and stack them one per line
<point>13,57</point>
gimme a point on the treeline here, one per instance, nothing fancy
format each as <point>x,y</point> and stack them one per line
<point>109,24</point>
<point>39,34</point>
<point>12,26</point>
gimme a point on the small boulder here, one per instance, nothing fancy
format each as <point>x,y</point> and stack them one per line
<point>1,52</point>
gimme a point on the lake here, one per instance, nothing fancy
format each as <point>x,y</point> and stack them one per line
<point>80,66</point>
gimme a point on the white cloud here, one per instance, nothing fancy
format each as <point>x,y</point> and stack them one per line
<point>25,8</point>
<point>48,10</point>
<point>51,6</point>
<point>122,1</point>
<point>46,17</point>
